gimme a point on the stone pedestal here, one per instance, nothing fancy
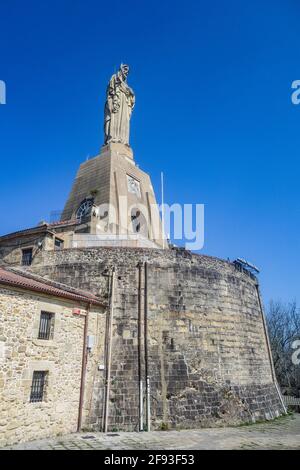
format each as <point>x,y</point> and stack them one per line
<point>123,197</point>
<point>117,149</point>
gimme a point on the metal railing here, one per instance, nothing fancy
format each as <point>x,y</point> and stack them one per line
<point>291,401</point>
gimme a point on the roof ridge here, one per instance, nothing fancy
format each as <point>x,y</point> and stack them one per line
<point>39,278</point>
<point>19,278</point>
<point>59,285</point>
<point>39,228</point>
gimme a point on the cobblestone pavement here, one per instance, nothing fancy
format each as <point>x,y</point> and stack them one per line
<point>283,433</point>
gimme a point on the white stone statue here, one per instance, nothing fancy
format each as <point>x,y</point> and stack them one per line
<point>119,104</point>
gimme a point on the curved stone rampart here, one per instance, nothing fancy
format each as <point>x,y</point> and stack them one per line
<point>208,356</point>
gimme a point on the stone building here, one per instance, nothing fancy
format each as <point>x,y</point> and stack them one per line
<point>43,358</point>
<point>184,341</point>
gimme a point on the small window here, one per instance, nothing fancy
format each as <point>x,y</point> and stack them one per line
<point>27,257</point>
<point>46,328</point>
<point>58,244</point>
<point>38,386</point>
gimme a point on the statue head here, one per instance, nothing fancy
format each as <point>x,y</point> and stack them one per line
<point>124,69</point>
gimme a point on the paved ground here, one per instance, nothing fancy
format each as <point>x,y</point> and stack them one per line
<point>283,433</point>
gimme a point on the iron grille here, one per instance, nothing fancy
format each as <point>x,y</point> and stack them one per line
<point>46,325</point>
<point>38,386</point>
<point>290,401</point>
<point>27,257</point>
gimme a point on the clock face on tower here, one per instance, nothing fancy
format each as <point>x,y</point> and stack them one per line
<point>85,208</point>
<point>133,186</point>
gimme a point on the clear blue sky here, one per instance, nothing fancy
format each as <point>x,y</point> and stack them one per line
<point>213,86</point>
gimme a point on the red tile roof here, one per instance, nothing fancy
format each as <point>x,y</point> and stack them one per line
<point>40,228</point>
<point>46,227</point>
<point>64,222</point>
<point>14,279</point>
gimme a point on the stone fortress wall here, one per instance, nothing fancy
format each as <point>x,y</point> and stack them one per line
<point>208,355</point>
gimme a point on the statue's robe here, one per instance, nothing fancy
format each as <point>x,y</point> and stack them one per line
<point>118,108</point>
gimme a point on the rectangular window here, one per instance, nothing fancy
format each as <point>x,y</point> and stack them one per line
<point>46,328</point>
<point>58,244</point>
<point>27,257</point>
<point>38,386</point>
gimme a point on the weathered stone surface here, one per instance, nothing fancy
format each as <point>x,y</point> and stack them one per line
<point>208,356</point>
<point>22,353</point>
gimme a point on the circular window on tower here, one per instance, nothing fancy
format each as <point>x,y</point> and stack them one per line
<point>85,208</point>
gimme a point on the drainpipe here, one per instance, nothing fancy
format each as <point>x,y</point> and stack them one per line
<point>83,367</point>
<point>106,341</point>
<point>141,408</point>
<point>147,378</point>
<point>269,350</point>
<point>108,363</point>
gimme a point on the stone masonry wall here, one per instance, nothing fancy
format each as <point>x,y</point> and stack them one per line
<point>208,356</point>
<point>21,353</point>
<point>11,249</point>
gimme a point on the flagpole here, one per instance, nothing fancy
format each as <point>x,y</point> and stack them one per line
<point>162,207</point>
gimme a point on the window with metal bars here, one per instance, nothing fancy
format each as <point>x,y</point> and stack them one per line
<point>38,386</point>
<point>27,257</point>
<point>46,328</point>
